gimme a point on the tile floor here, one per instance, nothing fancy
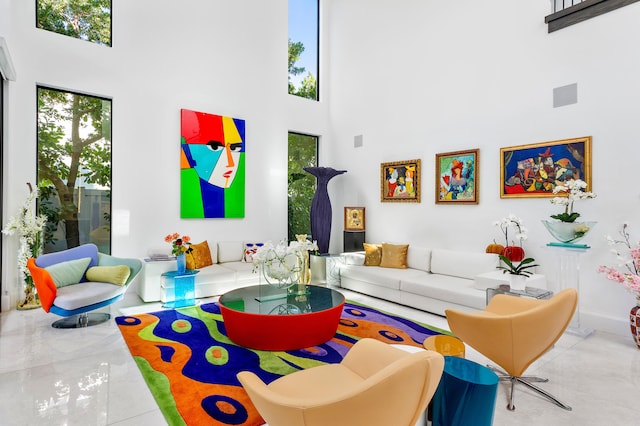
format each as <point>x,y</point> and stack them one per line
<point>87,376</point>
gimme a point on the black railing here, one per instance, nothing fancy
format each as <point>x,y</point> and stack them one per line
<point>558,5</point>
<point>569,12</point>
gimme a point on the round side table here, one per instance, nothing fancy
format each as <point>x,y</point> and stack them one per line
<point>445,345</point>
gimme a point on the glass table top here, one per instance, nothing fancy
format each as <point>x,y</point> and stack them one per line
<point>267,300</point>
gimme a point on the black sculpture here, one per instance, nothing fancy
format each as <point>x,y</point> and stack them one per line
<point>321,206</point>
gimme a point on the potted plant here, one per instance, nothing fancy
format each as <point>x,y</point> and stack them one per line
<point>565,228</point>
<point>519,271</point>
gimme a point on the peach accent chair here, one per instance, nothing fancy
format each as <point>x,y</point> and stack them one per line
<point>515,331</point>
<point>375,385</point>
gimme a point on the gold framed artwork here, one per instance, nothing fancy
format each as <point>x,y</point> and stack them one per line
<point>354,219</point>
<point>400,181</point>
<point>458,177</point>
<point>529,171</point>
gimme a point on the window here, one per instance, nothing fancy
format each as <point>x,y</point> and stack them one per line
<point>303,152</point>
<point>74,169</point>
<point>84,19</point>
<point>303,48</point>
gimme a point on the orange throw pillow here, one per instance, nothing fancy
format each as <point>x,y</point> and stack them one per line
<point>372,254</point>
<point>199,256</point>
<point>394,256</point>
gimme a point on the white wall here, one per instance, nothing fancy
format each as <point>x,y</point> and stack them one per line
<point>417,78</point>
<point>218,56</point>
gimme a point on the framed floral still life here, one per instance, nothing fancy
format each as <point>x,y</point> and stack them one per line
<point>534,170</point>
<point>457,177</point>
<point>400,181</point>
<point>354,219</point>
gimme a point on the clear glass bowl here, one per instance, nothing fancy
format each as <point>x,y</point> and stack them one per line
<point>568,232</point>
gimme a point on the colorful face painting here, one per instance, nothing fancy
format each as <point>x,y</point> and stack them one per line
<point>212,162</point>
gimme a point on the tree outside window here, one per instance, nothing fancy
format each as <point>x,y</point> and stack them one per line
<point>83,19</point>
<point>303,48</point>
<point>303,152</point>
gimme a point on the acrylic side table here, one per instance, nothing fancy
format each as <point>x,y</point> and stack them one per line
<point>531,292</point>
<point>179,288</point>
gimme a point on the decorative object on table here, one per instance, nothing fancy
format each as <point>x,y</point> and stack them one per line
<point>534,170</point>
<point>564,228</point>
<point>494,247</point>
<point>518,271</point>
<point>179,246</point>
<point>354,219</point>
<point>321,206</point>
<point>212,165</point>
<point>458,177</point>
<point>280,265</point>
<point>400,181</point>
<point>29,228</point>
<point>304,248</point>
<point>627,273</point>
<point>510,250</point>
<point>205,362</point>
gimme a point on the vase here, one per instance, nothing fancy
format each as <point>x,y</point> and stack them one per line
<point>281,271</point>
<point>568,232</point>
<point>634,320</point>
<point>181,263</point>
<point>321,206</point>
<point>517,282</point>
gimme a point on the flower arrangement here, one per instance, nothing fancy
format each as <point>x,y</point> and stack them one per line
<point>29,227</point>
<point>515,223</point>
<point>573,189</point>
<point>281,263</point>
<point>628,271</point>
<point>179,244</point>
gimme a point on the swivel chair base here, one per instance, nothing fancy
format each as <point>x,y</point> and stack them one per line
<point>82,320</point>
<point>527,381</point>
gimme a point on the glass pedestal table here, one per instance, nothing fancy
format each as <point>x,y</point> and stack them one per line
<point>266,318</point>
<point>530,292</point>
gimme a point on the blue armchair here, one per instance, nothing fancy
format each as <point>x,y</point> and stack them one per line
<point>73,282</point>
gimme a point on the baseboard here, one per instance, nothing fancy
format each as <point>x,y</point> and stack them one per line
<point>619,326</point>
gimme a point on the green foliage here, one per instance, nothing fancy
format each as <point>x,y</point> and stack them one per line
<point>308,87</point>
<point>74,143</point>
<point>83,19</point>
<point>302,185</point>
<point>566,217</point>
<point>517,269</point>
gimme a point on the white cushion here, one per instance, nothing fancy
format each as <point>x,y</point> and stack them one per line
<point>353,258</point>
<point>87,293</point>
<point>419,258</point>
<point>230,251</point>
<point>462,264</point>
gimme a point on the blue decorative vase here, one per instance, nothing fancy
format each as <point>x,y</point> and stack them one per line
<point>181,262</point>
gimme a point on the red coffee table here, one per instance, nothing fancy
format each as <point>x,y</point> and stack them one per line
<point>266,318</point>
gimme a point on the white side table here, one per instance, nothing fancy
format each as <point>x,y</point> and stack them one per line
<point>496,278</point>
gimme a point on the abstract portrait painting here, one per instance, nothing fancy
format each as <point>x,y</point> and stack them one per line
<point>212,163</point>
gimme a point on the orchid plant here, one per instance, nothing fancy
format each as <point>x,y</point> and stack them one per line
<point>628,270</point>
<point>515,223</point>
<point>573,189</point>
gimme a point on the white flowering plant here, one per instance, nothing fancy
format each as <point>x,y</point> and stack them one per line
<point>573,190</point>
<point>283,262</point>
<point>29,227</point>
<point>627,271</point>
<point>512,222</point>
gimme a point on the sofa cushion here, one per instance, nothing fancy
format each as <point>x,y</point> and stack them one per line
<point>353,258</point>
<point>446,288</point>
<point>249,250</point>
<point>419,258</point>
<point>383,277</point>
<point>372,254</point>
<point>199,256</point>
<point>462,264</point>
<point>230,251</point>
<point>84,294</point>
<point>85,250</point>
<point>394,256</point>
<point>109,274</point>
<point>69,272</point>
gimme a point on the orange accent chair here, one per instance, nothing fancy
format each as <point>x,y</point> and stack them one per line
<point>375,384</point>
<point>514,331</point>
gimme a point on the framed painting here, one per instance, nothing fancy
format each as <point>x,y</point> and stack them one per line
<point>457,177</point>
<point>534,170</point>
<point>354,219</point>
<point>400,181</point>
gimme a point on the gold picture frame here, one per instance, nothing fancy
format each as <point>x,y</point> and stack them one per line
<point>400,181</point>
<point>458,177</point>
<point>530,171</point>
<point>354,219</point>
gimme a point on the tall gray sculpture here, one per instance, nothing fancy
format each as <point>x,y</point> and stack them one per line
<point>321,206</point>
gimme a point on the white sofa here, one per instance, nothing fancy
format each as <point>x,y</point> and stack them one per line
<point>435,280</point>
<point>229,271</point>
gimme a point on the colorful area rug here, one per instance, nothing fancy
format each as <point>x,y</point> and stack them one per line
<point>190,365</point>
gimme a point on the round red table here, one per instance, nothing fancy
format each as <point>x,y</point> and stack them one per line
<point>266,318</point>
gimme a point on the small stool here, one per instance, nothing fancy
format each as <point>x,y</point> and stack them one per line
<point>445,345</point>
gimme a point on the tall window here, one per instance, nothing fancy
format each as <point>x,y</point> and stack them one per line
<point>74,169</point>
<point>303,48</point>
<point>84,19</point>
<point>303,152</point>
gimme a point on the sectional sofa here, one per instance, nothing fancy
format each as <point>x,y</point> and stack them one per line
<point>433,280</point>
<point>231,268</point>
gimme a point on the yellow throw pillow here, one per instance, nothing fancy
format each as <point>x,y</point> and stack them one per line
<point>372,254</point>
<point>394,255</point>
<point>109,274</point>
<point>200,256</point>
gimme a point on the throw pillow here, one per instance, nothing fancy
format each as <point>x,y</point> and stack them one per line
<point>199,256</point>
<point>249,250</point>
<point>109,274</point>
<point>372,254</point>
<point>69,272</point>
<point>394,255</point>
